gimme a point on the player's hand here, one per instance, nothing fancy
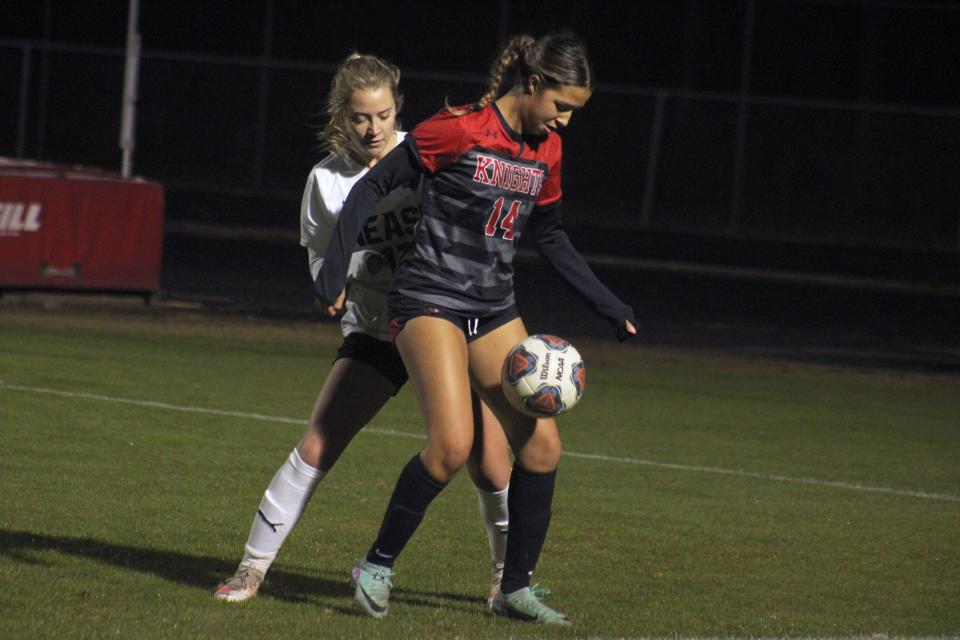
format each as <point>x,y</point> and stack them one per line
<point>333,310</point>
<point>626,329</point>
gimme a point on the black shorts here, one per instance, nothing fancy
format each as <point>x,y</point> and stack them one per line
<point>379,354</point>
<point>403,309</point>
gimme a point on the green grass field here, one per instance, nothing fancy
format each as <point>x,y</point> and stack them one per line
<point>699,495</point>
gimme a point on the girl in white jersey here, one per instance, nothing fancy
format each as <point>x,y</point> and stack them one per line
<point>362,107</point>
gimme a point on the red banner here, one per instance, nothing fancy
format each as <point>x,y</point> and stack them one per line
<point>78,228</point>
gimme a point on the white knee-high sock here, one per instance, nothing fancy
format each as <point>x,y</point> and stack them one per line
<point>496,520</point>
<point>283,502</point>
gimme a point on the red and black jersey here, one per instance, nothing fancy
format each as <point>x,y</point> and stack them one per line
<point>483,182</point>
<point>484,185</point>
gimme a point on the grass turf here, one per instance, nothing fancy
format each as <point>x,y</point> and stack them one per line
<point>700,495</point>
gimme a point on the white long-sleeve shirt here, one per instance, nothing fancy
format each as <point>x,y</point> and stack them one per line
<point>382,241</point>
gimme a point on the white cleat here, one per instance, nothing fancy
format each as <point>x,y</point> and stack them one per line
<point>242,586</point>
<point>496,577</point>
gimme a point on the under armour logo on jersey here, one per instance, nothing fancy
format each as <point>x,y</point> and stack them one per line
<point>490,133</point>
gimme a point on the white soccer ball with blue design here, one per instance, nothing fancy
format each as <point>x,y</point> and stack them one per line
<point>543,375</point>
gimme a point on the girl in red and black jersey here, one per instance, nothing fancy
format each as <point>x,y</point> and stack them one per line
<point>491,172</point>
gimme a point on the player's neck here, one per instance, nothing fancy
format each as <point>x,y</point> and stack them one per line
<point>509,106</point>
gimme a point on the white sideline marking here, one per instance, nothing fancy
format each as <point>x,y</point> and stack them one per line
<point>177,407</point>
<point>837,484</point>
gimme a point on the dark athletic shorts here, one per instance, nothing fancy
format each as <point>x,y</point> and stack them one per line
<point>380,355</point>
<point>403,309</point>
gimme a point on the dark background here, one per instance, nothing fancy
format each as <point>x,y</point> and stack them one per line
<point>835,123</point>
<point>816,137</point>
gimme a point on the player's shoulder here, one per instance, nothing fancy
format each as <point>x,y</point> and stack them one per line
<point>441,121</point>
<point>339,163</point>
<point>470,118</point>
<point>334,168</point>
<point>467,125</point>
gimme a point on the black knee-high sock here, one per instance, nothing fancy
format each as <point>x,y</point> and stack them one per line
<point>414,492</point>
<point>528,502</point>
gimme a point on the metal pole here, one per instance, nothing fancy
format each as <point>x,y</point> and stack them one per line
<point>653,161</point>
<point>130,76</point>
<point>746,67</point>
<point>263,96</point>
<point>24,95</point>
<point>42,98</point>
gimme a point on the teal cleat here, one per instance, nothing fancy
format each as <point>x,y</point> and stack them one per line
<point>525,605</point>
<point>372,586</point>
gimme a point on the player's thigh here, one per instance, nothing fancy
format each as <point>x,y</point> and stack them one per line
<point>434,351</point>
<point>535,442</point>
<point>488,352</point>
<point>350,397</point>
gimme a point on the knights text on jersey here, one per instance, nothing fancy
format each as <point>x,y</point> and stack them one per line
<point>483,182</point>
<point>382,240</point>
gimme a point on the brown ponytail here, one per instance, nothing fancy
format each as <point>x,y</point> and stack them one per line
<point>558,58</point>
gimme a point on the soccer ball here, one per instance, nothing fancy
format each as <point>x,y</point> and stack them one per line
<point>543,375</point>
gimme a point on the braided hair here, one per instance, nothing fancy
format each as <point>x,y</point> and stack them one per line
<point>557,58</point>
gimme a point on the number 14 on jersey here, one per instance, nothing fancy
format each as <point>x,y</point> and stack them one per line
<point>506,223</point>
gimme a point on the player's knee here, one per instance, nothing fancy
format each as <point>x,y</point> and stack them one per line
<point>311,447</point>
<point>541,454</point>
<point>454,459</point>
<point>490,473</point>
<point>446,457</point>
